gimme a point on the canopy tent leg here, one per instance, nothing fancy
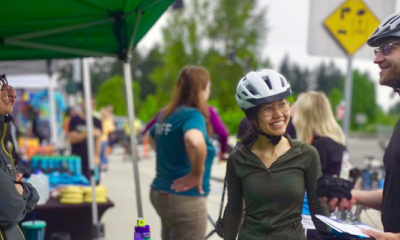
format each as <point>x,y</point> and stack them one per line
<point>131,113</point>
<point>90,145</point>
<point>53,118</point>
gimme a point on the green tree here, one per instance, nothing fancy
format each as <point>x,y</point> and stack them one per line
<point>285,68</point>
<point>364,97</point>
<point>201,34</point>
<point>335,96</point>
<point>298,78</point>
<point>102,69</point>
<point>142,66</point>
<point>112,92</point>
<point>328,77</point>
<point>395,109</point>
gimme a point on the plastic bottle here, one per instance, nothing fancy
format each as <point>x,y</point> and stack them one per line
<point>41,183</point>
<point>51,163</point>
<point>34,162</point>
<point>78,165</point>
<point>70,162</point>
<point>57,163</point>
<point>142,231</point>
<point>44,162</point>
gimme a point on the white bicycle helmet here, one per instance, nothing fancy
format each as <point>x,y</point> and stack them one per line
<point>390,27</point>
<point>261,87</point>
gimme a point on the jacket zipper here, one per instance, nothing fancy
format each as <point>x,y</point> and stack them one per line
<point>20,231</point>
<point>269,190</point>
<point>2,145</point>
<point>1,235</point>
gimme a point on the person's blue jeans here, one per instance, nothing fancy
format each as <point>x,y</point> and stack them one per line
<point>103,157</point>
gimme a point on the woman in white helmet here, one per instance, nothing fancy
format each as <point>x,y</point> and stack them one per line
<point>270,171</point>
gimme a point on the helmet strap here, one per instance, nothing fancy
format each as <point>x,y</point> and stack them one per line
<point>272,139</point>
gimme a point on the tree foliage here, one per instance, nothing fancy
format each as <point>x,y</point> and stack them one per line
<point>298,78</point>
<point>201,34</point>
<point>328,77</point>
<point>112,92</point>
<point>364,97</point>
<point>395,109</point>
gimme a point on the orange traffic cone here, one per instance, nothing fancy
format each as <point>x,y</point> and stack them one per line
<point>146,146</point>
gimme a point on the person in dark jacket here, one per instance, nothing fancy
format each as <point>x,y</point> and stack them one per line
<point>17,197</point>
<point>270,172</point>
<point>316,125</point>
<point>386,41</point>
<point>10,140</point>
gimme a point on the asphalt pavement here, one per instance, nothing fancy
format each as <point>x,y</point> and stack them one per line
<point>121,220</point>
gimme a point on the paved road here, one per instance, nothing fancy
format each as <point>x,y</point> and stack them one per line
<point>120,220</point>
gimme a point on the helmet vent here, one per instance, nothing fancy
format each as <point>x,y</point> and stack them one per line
<point>267,81</point>
<point>251,90</point>
<point>282,82</point>
<point>244,79</point>
<point>393,19</point>
<point>238,96</point>
<point>244,93</point>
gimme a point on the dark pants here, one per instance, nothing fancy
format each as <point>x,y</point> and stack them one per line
<point>311,234</point>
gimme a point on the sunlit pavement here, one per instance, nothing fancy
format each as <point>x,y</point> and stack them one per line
<point>121,219</point>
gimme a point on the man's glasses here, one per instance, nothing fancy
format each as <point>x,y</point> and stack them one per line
<point>385,49</point>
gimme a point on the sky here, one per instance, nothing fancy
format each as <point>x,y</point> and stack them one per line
<point>284,23</point>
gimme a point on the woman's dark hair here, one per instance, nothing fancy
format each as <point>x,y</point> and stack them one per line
<point>246,133</point>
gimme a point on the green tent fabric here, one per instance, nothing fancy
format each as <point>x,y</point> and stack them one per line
<point>43,29</point>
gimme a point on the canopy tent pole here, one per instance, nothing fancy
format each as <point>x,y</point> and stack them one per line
<point>90,139</point>
<point>131,114</point>
<point>53,118</point>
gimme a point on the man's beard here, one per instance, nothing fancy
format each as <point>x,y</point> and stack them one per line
<point>391,77</point>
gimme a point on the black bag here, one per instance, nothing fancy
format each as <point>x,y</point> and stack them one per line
<point>331,187</point>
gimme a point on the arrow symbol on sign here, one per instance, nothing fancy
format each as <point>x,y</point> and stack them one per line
<point>361,12</point>
<point>341,31</point>
<point>344,10</point>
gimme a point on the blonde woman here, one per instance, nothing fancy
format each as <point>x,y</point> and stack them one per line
<point>316,125</point>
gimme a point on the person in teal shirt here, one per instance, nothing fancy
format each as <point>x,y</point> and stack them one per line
<point>184,158</point>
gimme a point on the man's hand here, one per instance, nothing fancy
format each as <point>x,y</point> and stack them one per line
<point>381,236</point>
<point>188,182</point>
<point>19,178</point>
<point>343,204</point>
<point>96,132</point>
<point>18,186</point>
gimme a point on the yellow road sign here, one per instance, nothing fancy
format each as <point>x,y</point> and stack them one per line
<point>352,24</point>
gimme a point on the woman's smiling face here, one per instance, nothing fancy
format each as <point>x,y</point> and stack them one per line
<point>6,106</point>
<point>274,117</point>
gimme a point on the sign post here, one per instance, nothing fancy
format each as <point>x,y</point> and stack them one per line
<point>350,25</point>
<point>348,92</point>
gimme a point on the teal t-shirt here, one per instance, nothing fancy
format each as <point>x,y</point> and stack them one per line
<point>172,159</point>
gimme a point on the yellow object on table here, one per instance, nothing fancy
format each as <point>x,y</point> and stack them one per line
<point>72,195</point>
<point>79,195</point>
